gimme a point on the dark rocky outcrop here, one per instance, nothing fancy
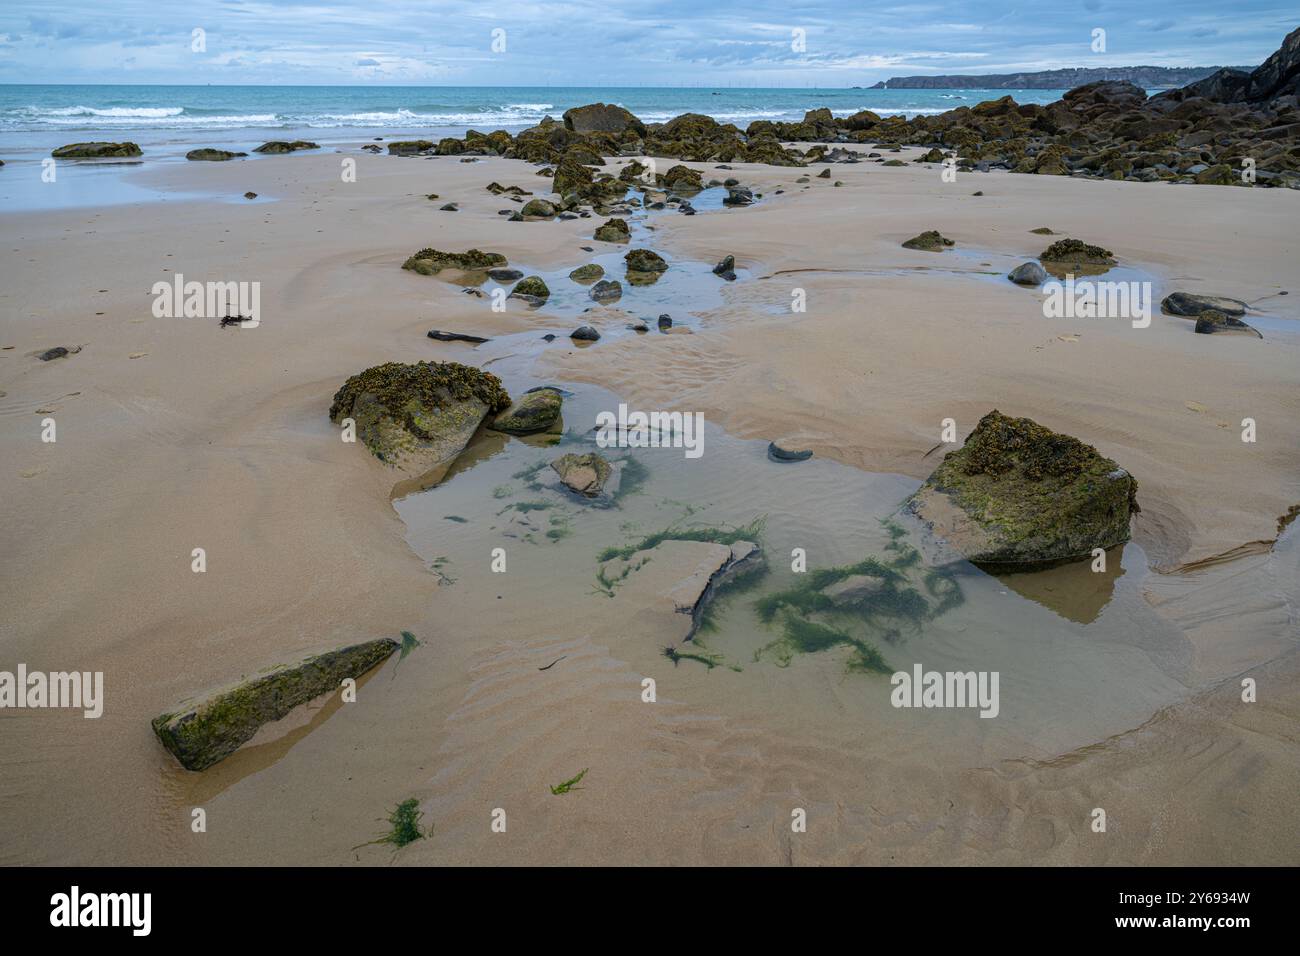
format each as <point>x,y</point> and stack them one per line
<point>97,151</point>
<point>211,155</point>
<point>1018,495</point>
<point>411,147</point>
<point>428,262</point>
<point>281,146</point>
<point>203,732</point>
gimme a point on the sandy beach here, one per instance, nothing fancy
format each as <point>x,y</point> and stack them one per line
<point>176,434</point>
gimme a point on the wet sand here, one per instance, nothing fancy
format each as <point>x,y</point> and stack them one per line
<point>219,439</point>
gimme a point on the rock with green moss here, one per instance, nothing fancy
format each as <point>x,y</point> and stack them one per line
<point>97,151</point>
<point>613,230</point>
<point>587,274</point>
<point>602,118</point>
<point>928,241</point>
<point>1219,175</point>
<point>204,732</point>
<point>1075,252</point>
<point>644,260</point>
<point>410,147</point>
<point>427,262</point>
<point>211,155</point>
<point>536,412</point>
<point>281,146</point>
<point>531,287</point>
<point>538,209</point>
<point>418,418</point>
<point>1018,495</point>
<point>683,179</point>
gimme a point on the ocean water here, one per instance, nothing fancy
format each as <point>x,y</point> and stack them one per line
<point>37,118</point>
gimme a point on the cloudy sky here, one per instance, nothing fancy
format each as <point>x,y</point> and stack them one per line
<point>614,42</point>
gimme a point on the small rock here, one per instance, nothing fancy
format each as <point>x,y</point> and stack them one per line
<point>584,333</point>
<point>928,241</point>
<point>606,290</point>
<point>777,453</point>
<point>1028,273</point>
<point>726,268</point>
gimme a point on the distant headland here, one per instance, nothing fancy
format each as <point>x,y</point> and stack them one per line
<point>1147,77</point>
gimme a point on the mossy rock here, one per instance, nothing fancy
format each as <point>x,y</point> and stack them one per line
<point>409,147</point>
<point>587,274</point>
<point>928,241</point>
<point>531,286</point>
<point>211,155</point>
<point>418,418</point>
<point>430,261</point>
<point>1077,252</point>
<point>535,412</point>
<point>1018,495</point>
<point>96,151</point>
<point>602,118</point>
<point>538,208</point>
<point>644,260</point>
<point>211,729</point>
<point>683,179</point>
<point>1218,175</point>
<point>613,230</point>
<point>281,146</point>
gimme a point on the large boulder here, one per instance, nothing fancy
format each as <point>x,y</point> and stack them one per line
<point>96,151</point>
<point>202,732</point>
<point>418,418</point>
<point>602,118</point>
<point>1018,495</point>
<point>535,412</point>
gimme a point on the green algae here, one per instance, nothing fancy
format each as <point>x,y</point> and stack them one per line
<point>708,659</point>
<point>568,785</point>
<point>802,636</point>
<point>404,826</point>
